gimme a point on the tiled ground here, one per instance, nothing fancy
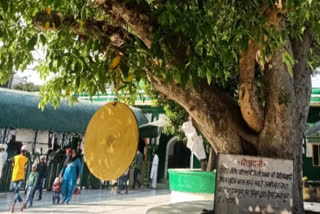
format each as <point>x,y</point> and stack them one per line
<point>103,201</point>
<point>96,201</point>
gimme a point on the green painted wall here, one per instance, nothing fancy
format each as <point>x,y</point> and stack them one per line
<point>196,163</point>
<point>313,115</point>
<point>312,172</point>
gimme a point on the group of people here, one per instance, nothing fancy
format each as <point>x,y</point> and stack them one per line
<point>35,180</point>
<point>65,183</point>
<point>138,162</point>
<point>137,166</point>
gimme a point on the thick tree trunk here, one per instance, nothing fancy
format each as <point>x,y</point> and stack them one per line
<point>278,138</point>
<point>287,102</point>
<point>302,84</point>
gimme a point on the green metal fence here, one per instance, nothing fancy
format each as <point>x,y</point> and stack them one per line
<point>55,165</point>
<point>5,181</point>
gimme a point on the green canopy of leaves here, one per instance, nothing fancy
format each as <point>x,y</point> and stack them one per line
<point>193,40</point>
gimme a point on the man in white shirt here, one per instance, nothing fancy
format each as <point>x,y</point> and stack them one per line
<point>154,170</point>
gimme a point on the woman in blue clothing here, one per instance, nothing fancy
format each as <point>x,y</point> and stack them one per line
<point>70,174</point>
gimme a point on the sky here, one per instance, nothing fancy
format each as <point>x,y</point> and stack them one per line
<point>30,73</point>
<point>32,76</point>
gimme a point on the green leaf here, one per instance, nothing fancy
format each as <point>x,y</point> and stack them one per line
<point>209,76</point>
<point>32,42</point>
<point>43,39</point>
<point>83,13</point>
<point>289,61</point>
<point>4,5</point>
<point>172,19</point>
<point>78,67</point>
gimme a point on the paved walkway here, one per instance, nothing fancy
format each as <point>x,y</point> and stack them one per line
<point>189,207</point>
<point>103,201</point>
<point>96,201</point>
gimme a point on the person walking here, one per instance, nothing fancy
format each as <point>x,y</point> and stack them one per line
<point>137,169</point>
<point>31,185</point>
<point>42,169</point>
<point>70,174</point>
<point>154,171</point>
<point>56,189</point>
<point>3,157</point>
<point>19,162</point>
<point>68,156</point>
<point>123,181</point>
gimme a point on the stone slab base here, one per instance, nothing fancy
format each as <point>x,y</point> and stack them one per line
<point>177,196</point>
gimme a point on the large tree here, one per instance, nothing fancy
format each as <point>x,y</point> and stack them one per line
<point>240,68</point>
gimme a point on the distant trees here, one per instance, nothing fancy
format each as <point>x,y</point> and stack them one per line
<point>29,86</point>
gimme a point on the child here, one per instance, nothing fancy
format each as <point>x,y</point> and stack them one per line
<point>115,189</point>
<point>123,180</point>
<point>31,185</point>
<point>121,184</point>
<point>56,189</point>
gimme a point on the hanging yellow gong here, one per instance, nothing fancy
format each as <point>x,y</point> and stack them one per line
<point>111,141</point>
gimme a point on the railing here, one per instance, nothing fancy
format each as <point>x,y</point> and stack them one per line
<point>5,180</point>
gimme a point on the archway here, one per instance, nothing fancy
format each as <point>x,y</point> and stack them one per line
<point>176,151</point>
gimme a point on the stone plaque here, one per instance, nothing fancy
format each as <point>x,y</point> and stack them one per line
<point>250,184</point>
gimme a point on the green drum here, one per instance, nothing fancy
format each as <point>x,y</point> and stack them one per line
<point>193,181</point>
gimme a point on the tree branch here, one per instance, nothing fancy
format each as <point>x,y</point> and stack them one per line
<point>134,16</point>
<point>137,17</point>
<point>251,110</point>
<point>216,115</point>
<point>96,29</point>
<point>139,22</point>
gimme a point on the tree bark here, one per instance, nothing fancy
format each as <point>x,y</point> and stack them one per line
<point>138,21</point>
<point>302,89</point>
<point>96,29</point>
<point>133,15</point>
<point>216,115</point>
<point>211,160</point>
<point>251,109</point>
<point>287,104</point>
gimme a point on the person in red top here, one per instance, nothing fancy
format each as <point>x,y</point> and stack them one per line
<point>56,189</point>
